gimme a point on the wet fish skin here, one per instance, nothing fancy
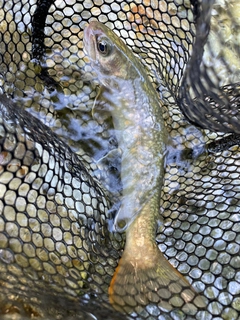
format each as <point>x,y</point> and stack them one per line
<point>129,96</point>
<point>137,118</point>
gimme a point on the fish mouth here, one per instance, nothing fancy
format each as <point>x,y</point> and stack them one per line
<point>89,43</point>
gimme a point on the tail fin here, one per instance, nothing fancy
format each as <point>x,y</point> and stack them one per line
<point>139,282</point>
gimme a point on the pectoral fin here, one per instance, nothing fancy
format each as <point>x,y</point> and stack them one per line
<point>100,110</point>
<point>113,157</point>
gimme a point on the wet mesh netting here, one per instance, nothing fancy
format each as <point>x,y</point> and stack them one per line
<point>57,255</point>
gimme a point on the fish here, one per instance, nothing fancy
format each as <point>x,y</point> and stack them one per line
<point>137,119</point>
<point>143,275</point>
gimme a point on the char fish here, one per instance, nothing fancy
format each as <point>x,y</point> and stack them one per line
<point>143,275</point>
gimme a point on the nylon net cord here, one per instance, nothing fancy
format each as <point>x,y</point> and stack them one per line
<point>57,256</point>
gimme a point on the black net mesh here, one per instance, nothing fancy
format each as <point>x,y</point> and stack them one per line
<point>57,255</point>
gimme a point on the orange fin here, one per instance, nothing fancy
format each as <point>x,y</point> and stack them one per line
<point>137,283</point>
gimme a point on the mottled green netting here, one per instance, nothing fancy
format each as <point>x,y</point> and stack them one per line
<point>57,256</point>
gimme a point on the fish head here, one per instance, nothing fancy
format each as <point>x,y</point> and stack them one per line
<point>109,55</point>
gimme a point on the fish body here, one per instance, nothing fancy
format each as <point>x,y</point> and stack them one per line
<point>143,275</point>
<point>137,118</point>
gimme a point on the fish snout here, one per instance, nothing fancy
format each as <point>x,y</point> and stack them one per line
<point>89,42</point>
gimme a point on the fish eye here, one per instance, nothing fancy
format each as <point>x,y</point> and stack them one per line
<point>104,47</point>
